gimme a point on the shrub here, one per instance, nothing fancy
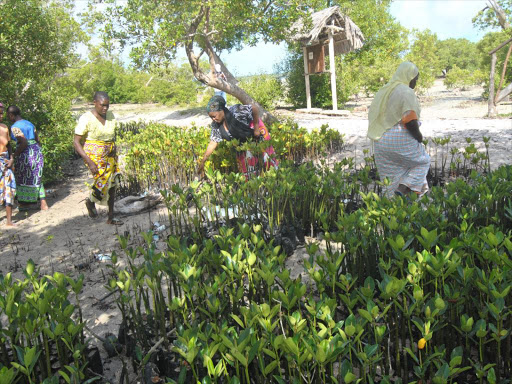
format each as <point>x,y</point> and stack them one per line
<point>296,87</point>
<point>42,332</point>
<point>265,89</point>
<point>160,155</point>
<point>463,78</point>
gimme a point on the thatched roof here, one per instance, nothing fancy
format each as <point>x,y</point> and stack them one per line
<point>347,35</point>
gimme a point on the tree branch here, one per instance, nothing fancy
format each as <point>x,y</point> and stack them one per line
<point>500,14</point>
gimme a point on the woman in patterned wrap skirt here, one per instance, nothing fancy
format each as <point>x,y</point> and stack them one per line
<point>28,161</point>
<point>394,128</point>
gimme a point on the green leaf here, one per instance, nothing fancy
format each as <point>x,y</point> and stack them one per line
<point>238,320</point>
<point>241,358</point>
<point>365,314</point>
<point>270,367</point>
<point>491,376</point>
<point>30,267</point>
<point>65,376</point>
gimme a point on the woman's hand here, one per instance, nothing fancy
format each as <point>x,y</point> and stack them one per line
<point>209,150</point>
<point>256,120</point>
<point>200,169</point>
<point>92,167</point>
<point>10,162</point>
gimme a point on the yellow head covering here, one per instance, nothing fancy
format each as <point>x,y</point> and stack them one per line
<point>385,113</point>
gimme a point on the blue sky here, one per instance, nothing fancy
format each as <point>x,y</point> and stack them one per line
<point>446,18</point>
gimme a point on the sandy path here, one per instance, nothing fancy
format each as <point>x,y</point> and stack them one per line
<point>65,239</point>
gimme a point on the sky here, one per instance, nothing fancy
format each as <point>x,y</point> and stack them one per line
<point>446,18</point>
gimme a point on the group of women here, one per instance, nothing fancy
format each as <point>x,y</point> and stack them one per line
<point>21,170</point>
<point>393,128</point>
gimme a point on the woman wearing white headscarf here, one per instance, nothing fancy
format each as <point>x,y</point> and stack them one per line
<point>394,128</point>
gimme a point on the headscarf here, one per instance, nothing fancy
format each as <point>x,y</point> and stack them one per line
<point>385,113</point>
<point>236,128</point>
<point>216,104</point>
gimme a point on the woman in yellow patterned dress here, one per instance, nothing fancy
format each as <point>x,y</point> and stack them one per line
<point>97,127</point>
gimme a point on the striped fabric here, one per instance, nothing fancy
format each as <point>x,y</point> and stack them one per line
<point>402,160</point>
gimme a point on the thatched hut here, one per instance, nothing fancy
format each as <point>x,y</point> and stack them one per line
<point>331,33</point>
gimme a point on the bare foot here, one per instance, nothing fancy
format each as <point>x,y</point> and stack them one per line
<point>10,224</point>
<point>44,206</point>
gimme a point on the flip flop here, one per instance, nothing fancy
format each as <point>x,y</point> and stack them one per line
<point>116,221</point>
<point>91,209</point>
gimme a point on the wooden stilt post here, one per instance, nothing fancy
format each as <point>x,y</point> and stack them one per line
<point>332,69</point>
<point>306,75</point>
<point>491,112</point>
<point>503,74</point>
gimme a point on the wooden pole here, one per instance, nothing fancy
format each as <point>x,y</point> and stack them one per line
<point>503,74</point>
<point>491,107</point>
<point>500,46</point>
<point>332,69</point>
<point>306,73</point>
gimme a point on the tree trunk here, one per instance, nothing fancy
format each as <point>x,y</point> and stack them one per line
<point>230,86</point>
<point>491,107</point>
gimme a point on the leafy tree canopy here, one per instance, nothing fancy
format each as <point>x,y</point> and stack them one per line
<point>158,31</point>
<point>37,42</point>
<point>457,52</point>
<point>424,53</point>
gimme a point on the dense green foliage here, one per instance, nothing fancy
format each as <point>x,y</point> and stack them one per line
<point>457,52</point>
<point>160,155</point>
<point>488,43</point>
<point>266,89</point>
<point>172,85</point>
<point>424,53</point>
<point>463,78</point>
<point>42,332</point>
<point>421,288</point>
<point>37,44</point>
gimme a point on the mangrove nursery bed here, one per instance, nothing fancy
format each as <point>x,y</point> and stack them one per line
<point>402,290</point>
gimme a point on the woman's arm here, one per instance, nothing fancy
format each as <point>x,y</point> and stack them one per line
<point>9,151</point>
<point>414,129</point>
<point>21,145</point>
<point>256,119</point>
<point>209,150</point>
<point>410,121</point>
<point>80,150</point>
